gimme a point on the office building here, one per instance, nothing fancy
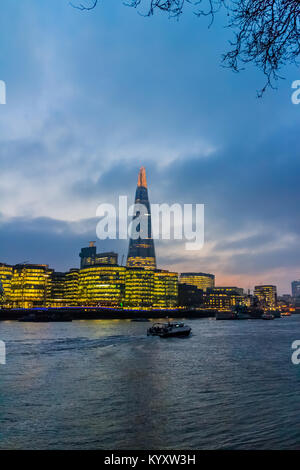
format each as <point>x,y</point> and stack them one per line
<point>90,257</point>
<point>101,285</point>
<point>30,285</point>
<point>189,296</point>
<point>71,287</point>
<point>266,295</point>
<point>224,298</point>
<point>296,289</point>
<point>6,272</point>
<point>165,289</point>
<point>202,281</point>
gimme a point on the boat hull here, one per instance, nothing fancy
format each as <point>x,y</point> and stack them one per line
<point>169,330</point>
<point>171,334</point>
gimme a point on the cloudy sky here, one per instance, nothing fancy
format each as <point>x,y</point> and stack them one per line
<point>92,96</point>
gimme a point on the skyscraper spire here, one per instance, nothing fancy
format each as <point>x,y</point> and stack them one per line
<point>142,178</point>
<point>141,251</point>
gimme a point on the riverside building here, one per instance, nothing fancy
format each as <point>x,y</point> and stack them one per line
<point>266,295</point>
<point>202,281</point>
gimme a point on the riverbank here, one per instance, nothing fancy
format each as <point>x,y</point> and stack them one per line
<point>93,313</point>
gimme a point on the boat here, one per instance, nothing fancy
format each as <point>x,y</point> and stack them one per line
<point>268,316</point>
<point>168,330</point>
<point>255,313</point>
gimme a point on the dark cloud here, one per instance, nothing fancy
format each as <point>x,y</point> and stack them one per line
<point>49,241</point>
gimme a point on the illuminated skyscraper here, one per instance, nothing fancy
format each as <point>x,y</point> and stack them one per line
<point>141,253</point>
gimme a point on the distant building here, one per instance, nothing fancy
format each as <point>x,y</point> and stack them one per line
<point>90,257</point>
<point>2,295</point>
<point>57,295</point>
<point>189,296</point>
<point>71,287</point>
<point>296,289</point>
<point>202,281</point>
<point>165,289</point>
<point>266,295</point>
<point>6,272</point>
<point>224,298</point>
<point>229,290</point>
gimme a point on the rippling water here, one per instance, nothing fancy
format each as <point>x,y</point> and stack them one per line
<point>106,385</point>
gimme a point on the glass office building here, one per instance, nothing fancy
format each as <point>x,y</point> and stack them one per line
<point>202,281</point>
<point>267,295</point>
<point>30,285</point>
<point>101,286</point>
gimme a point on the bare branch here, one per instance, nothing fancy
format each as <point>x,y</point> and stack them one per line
<point>266,32</point>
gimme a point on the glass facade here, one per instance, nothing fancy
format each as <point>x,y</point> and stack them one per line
<point>101,285</point>
<point>202,281</point>
<point>296,289</point>
<point>6,272</point>
<point>139,287</point>
<point>147,288</point>
<point>90,257</point>
<point>27,286</point>
<point>30,285</point>
<point>165,294</point>
<point>71,287</point>
<point>57,297</point>
<point>267,296</point>
<point>141,253</point>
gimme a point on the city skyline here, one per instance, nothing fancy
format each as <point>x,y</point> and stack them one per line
<point>134,251</point>
<point>77,134</point>
<point>103,281</point>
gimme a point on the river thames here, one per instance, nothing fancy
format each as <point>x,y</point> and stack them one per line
<point>106,385</point>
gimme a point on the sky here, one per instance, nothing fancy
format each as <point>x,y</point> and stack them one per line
<point>92,96</point>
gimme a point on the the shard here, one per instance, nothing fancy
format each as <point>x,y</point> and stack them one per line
<point>141,253</point>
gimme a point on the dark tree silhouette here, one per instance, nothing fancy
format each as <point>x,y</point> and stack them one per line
<point>266,32</point>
